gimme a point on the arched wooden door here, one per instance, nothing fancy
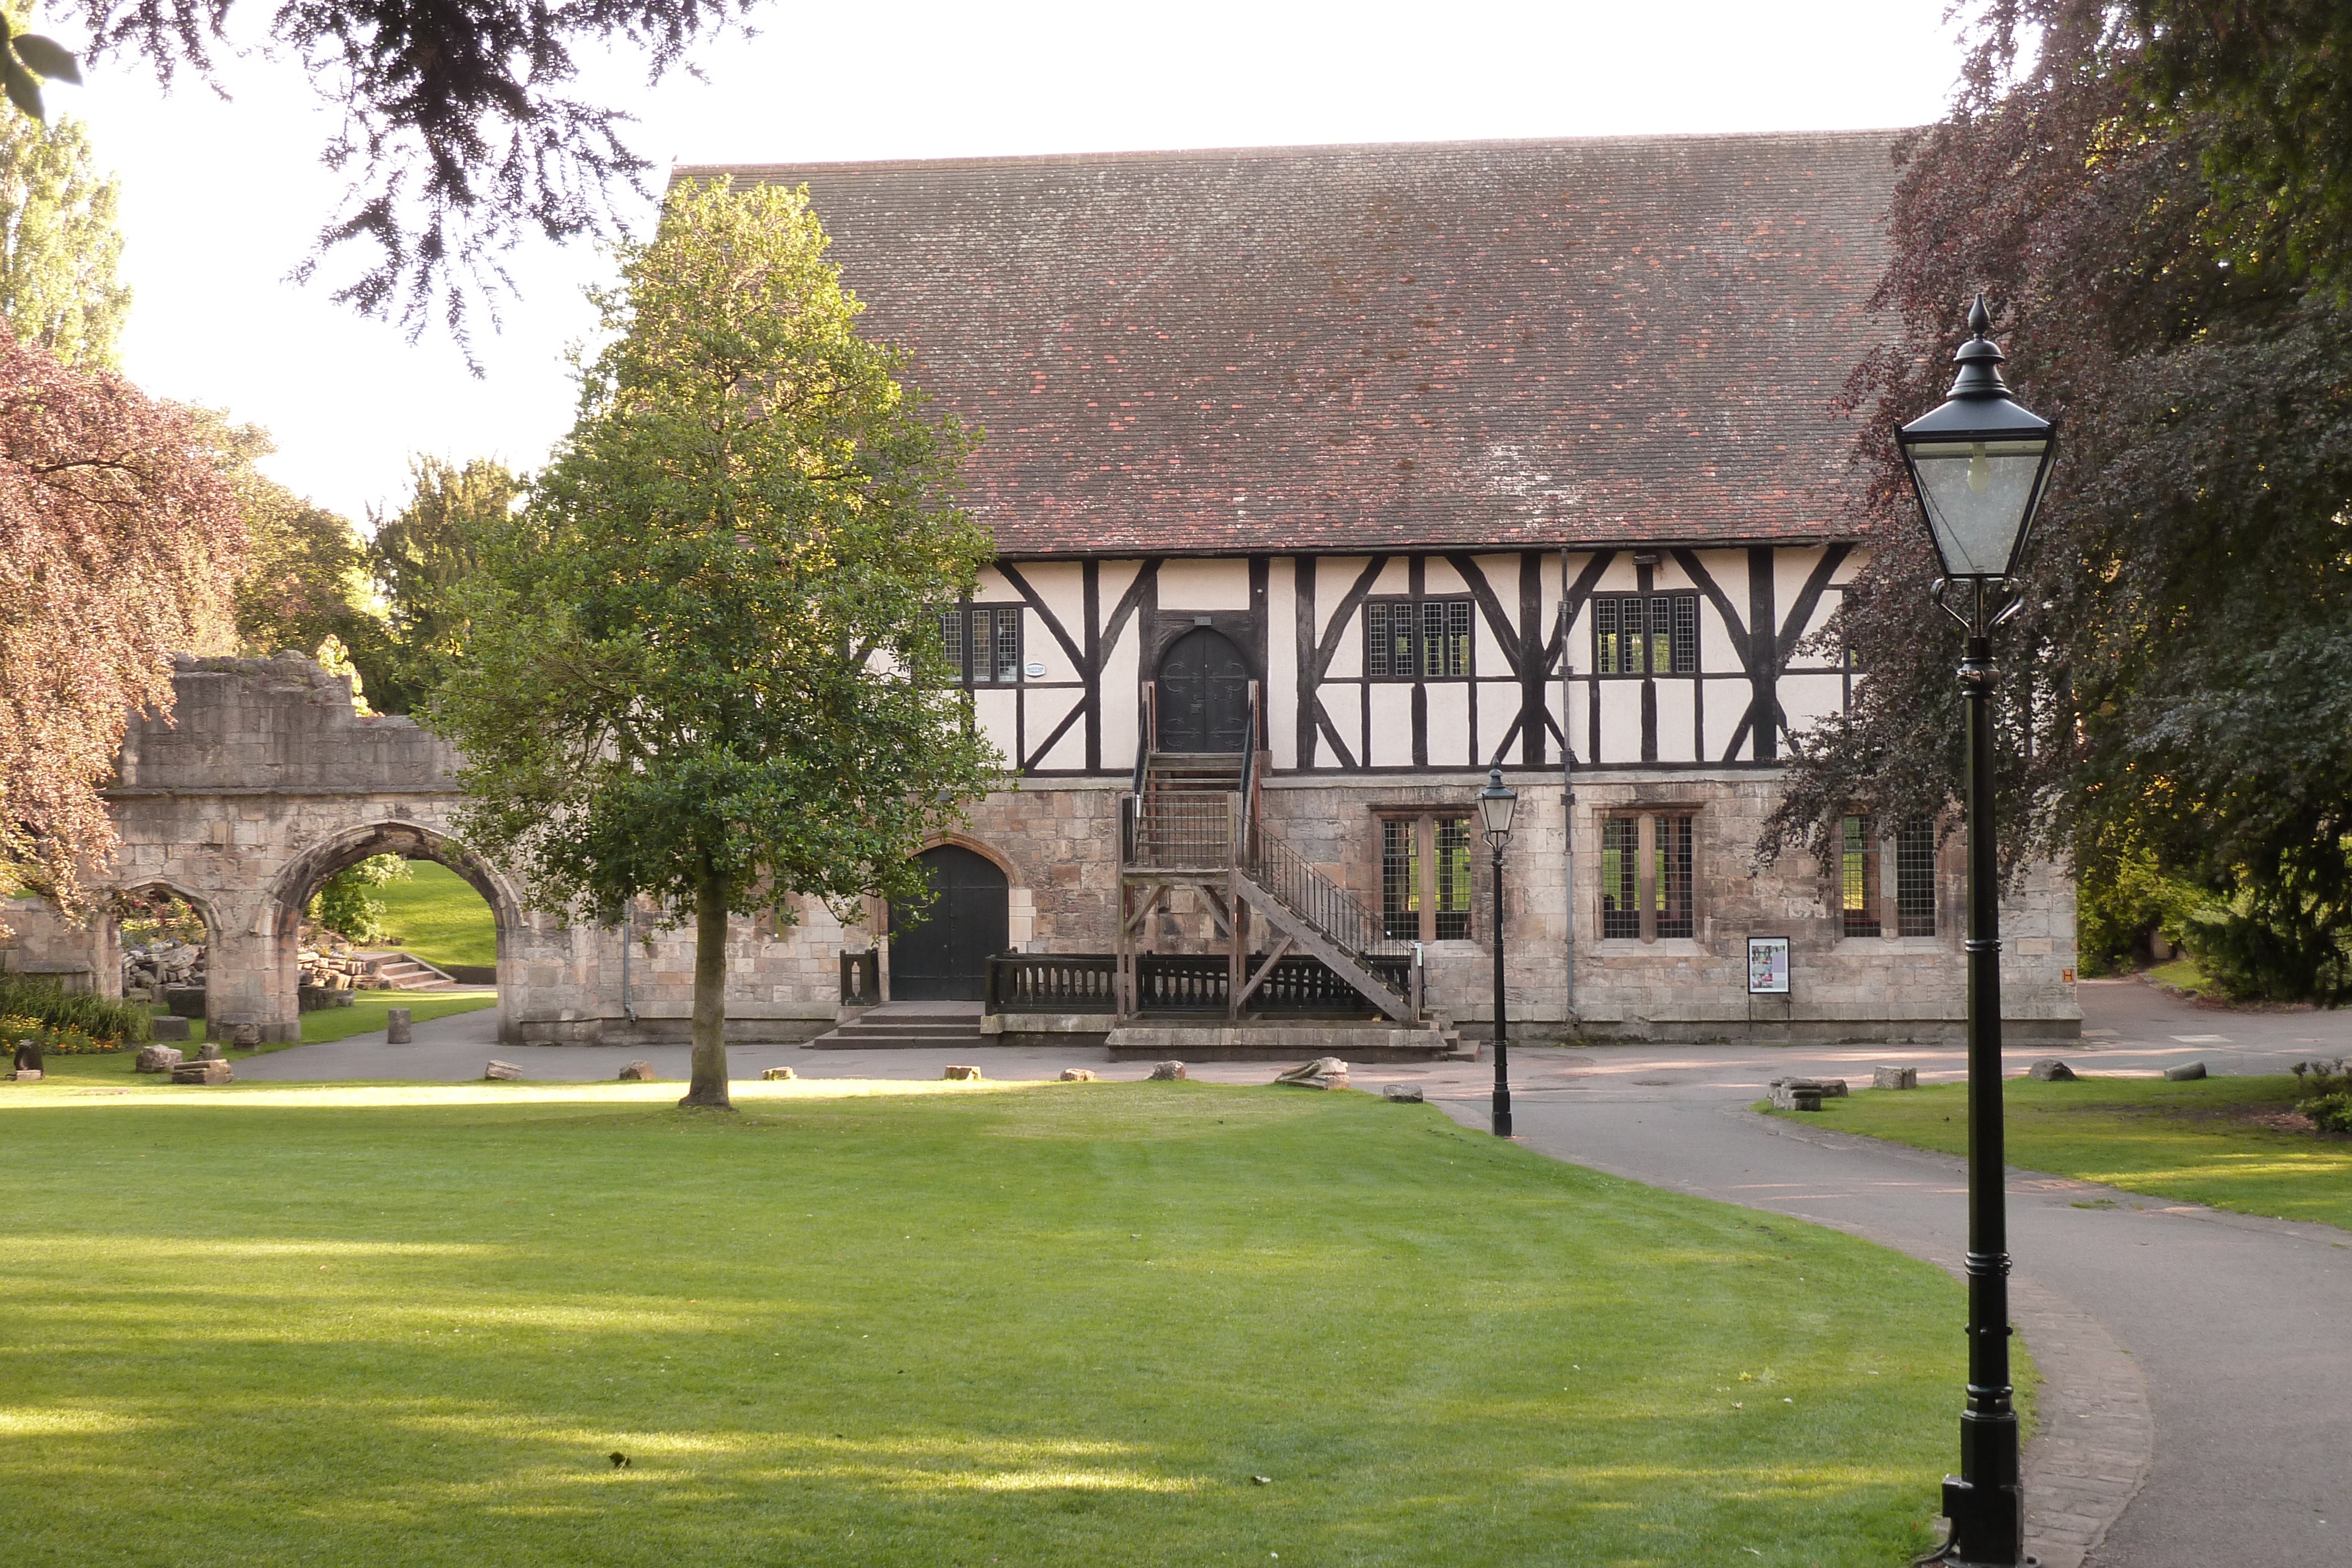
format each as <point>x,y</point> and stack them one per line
<point>1203,696</point>
<point>945,958</point>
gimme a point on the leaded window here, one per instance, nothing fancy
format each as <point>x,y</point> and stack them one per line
<point>1645,635</point>
<point>983,642</point>
<point>1672,890</point>
<point>1621,909</point>
<point>1914,880</point>
<point>1417,639</point>
<point>1857,877</point>
<point>1401,879</point>
<point>1453,912</point>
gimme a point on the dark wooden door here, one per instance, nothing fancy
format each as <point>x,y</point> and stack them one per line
<point>1203,694</point>
<point>945,958</point>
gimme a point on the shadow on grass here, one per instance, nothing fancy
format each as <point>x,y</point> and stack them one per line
<point>1033,1326</point>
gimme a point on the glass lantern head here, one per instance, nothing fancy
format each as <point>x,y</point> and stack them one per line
<point>1495,804</point>
<point>1979,464</point>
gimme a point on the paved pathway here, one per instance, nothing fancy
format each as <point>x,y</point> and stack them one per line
<point>2197,1401</point>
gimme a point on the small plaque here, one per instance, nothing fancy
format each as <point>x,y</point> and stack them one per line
<point>1767,966</point>
<point>1037,669</point>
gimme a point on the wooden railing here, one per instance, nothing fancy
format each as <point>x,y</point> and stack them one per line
<point>1299,984</point>
<point>1051,983</point>
<point>861,978</point>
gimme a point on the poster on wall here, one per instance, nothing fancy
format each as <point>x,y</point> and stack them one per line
<point>1767,966</point>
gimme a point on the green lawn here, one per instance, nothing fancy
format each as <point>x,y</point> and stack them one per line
<point>436,915</point>
<point>925,1325</point>
<point>2183,973</point>
<point>2196,1141</point>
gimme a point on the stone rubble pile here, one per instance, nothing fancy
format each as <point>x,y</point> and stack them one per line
<point>147,970</point>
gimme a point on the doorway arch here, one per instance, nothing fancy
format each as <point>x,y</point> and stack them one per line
<point>944,957</point>
<point>1203,694</point>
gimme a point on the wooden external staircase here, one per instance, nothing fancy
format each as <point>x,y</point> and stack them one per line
<point>1194,821</point>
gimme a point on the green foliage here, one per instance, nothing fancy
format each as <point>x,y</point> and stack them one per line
<point>346,902</point>
<point>2323,1091</point>
<point>2123,898</point>
<point>59,244</point>
<point>703,666</point>
<point>421,558</point>
<point>32,996</point>
<point>305,578</point>
<point>2273,941</point>
<point>525,1278</point>
<point>26,59</point>
<point>2330,1113</point>
<point>2179,679</point>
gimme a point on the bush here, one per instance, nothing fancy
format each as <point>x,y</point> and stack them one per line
<point>2121,902</point>
<point>2270,949</point>
<point>49,1006</point>
<point>344,904</point>
<point>2330,1113</point>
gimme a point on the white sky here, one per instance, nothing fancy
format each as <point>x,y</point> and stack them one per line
<point>220,200</point>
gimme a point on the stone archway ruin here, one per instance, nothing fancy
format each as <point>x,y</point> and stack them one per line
<point>266,781</point>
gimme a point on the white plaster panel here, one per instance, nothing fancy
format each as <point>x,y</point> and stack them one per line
<point>1727,705</point>
<point>1620,721</point>
<point>1282,660</point>
<point>1204,585</point>
<point>993,712</point>
<point>1438,576</point>
<point>1392,737</point>
<point>1395,577</point>
<point>1676,715</point>
<point>1806,699</point>
<point>1450,741</point>
<point>1048,709</point>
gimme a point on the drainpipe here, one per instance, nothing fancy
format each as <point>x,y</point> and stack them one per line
<point>1567,798</point>
<point>628,940</point>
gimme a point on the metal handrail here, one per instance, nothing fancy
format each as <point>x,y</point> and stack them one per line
<point>1193,832</point>
<point>1298,886</point>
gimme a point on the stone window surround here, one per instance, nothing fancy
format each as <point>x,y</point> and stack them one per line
<point>1949,919</point>
<point>1645,875</point>
<point>1424,817</point>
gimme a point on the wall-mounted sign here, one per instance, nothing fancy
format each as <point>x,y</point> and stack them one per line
<point>1036,670</point>
<point>1767,966</point>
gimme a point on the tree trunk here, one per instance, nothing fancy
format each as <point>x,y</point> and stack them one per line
<point>709,1088</point>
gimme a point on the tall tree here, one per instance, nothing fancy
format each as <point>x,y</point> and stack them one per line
<point>422,556</point>
<point>118,542</point>
<point>459,127</point>
<point>305,577</point>
<point>704,666</point>
<point>2176,679</point>
<point>58,243</point>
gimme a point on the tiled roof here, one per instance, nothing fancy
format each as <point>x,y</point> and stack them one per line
<point>1331,349</point>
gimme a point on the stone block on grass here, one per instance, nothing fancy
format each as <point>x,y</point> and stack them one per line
<point>1076,1076</point>
<point>779,1075</point>
<point>638,1072</point>
<point>210,1051</point>
<point>962,1074</point>
<point>203,1073</point>
<point>1402,1094</point>
<point>2050,1070</point>
<point>2186,1073</point>
<point>1894,1078</point>
<point>505,1072</point>
<point>172,1028</point>
<point>396,1025</point>
<point>28,1075</point>
<point>1323,1072</point>
<point>1163,1071</point>
<point>156,1059</point>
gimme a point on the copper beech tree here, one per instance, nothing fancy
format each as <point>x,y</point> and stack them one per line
<point>119,545</point>
<point>703,667</point>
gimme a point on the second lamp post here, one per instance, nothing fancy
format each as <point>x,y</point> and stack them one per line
<point>1979,464</point>
<point>1495,804</point>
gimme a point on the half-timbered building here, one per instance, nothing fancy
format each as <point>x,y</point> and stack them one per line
<point>1326,478</point>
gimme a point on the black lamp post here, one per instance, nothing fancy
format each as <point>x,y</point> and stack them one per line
<point>1979,464</point>
<point>1495,805</point>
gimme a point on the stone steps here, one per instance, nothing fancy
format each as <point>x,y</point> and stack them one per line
<point>1283,1042</point>
<point>906,1027</point>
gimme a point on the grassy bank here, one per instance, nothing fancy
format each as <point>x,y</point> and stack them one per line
<point>1065,1324</point>
<point>435,913</point>
<point>2204,1141</point>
